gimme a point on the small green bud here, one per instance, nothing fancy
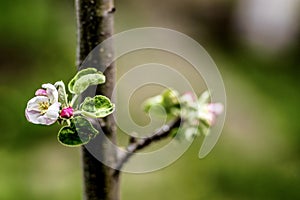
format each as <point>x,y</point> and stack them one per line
<point>170,98</point>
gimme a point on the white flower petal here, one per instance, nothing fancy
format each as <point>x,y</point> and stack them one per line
<point>216,108</point>
<point>45,120</point>
<point>52,92</point>
<point>33,104</point>
<point>32,116</point>
<point>53,111</point>
<point>188,97</point>
<point>190,133</point>
<point>207,116</point>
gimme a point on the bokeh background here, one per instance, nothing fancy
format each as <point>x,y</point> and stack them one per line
<point>254,43</point>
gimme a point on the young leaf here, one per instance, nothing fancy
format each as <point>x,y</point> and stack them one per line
<point>62,95</point>
<point>78,133</point>
<point>96,107</point>
<point>85,78</point>
<point>85,81</point>
<point>204,129</point>
<point>78,75</point>
<point>204,97</point>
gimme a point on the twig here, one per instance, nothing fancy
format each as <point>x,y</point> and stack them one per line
<point>138,144</point>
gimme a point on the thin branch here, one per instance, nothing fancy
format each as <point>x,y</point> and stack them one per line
<point>138,144</point>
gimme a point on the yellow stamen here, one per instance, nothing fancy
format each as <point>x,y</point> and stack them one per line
<point>43,106</point>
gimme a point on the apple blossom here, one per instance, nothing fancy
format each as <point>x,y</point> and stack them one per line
<point>208,112</point>
<point>44,107</point>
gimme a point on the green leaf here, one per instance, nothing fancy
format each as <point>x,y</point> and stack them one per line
<point>204,129</point>
<point>62,95</point>
<point>80,132</point>
<point>79,75</point>
<point>174,132</point>
<point>85,78</point>
<point>96,107</point>
<point>85,81</point>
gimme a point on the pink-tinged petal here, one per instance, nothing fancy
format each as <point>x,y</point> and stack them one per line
<point>216,108</point>
<point>211,119</point>
<point>52,92</point>
<point>37,118</point>
<point>67,112</point>
<point>45,120</point>
<point>209,112</point>
<point>41,92</point>
<point>32,116</point>
<point>33,104</point>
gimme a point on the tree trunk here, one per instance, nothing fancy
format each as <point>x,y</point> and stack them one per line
<point>95,24</point>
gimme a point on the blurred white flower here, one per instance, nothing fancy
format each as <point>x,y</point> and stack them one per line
<point>209,112</point>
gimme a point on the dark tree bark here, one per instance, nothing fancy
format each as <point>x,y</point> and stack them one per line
<point>95,24</point>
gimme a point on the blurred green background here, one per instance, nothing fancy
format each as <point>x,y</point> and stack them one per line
<point>256,47</point>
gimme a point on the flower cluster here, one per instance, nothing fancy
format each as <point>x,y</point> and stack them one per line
<point>204,111</point>
<point>45,108</point>
<point>197,114</point>
<point>51,104</point>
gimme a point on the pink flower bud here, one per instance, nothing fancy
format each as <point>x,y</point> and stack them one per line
<point>66,112</point>
<point>41,92</point>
